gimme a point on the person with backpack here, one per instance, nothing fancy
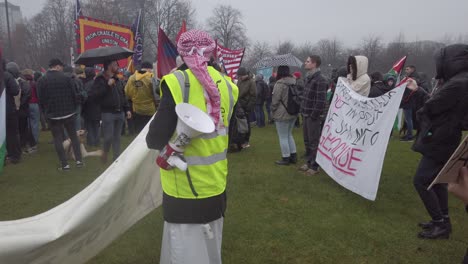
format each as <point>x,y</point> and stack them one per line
<point>313,108</point>
<point>139,90</point>
<point>441,125</point>
<point>284,109</point>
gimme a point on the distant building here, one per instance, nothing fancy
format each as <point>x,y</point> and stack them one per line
<point>14,14</point>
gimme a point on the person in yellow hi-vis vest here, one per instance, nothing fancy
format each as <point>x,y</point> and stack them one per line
<point>194,202</point>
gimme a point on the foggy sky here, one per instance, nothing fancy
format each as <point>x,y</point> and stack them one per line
<point>307,20</point>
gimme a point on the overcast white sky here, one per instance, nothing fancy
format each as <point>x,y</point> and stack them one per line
<point>350,21</point>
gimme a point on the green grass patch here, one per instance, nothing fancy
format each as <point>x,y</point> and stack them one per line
<point>275,214</point>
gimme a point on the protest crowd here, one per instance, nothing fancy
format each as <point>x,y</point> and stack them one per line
<point>88,109</point>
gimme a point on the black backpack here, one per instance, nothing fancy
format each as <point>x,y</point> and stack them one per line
<point>294,103</point>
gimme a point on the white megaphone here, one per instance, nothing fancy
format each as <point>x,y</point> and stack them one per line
<point>192,122</point>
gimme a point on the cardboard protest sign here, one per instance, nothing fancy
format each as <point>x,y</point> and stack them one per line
<point>449,172</point>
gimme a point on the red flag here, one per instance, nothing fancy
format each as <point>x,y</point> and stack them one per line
<point>167,54</point>
<point>183,28</point>
<point>229,59</point>
<point>398,67</point>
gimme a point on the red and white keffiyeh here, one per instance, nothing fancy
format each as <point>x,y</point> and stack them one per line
<point>196,47</point>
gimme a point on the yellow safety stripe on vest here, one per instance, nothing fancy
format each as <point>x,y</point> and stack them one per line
<point>193,160</point>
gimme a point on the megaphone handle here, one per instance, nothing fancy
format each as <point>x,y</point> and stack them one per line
<point>176,161</point>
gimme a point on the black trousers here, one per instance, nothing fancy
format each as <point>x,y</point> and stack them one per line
<point>140,121</point>
<point>312,129</point>
<point>12,137</point>
<point>56,127</point>
<point>25,132</point>
<point>436,199</point>
<point>249,119</point>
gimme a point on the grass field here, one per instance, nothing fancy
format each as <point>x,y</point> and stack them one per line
<point>275,214</point>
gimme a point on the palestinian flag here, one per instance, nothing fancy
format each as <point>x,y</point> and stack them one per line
<point>2,117</point>
<point>396,71</point>
<point>398,68</point>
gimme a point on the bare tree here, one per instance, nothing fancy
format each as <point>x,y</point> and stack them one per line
<point>285,47</point>
<point>304,51</point>
<point>168,15</point>
<point>372,48</point>
<point>226,25</point>
<point>255,53</point>
<point>332,54</point>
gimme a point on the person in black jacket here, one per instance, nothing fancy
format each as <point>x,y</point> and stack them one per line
<point>27,140</point>
<point>440,134</point>
<point>91,109</point>
<point>109,92</point>
<point>12,134</point>
<point>271,85</point>
<point>57,96</point>
<point>378,87</point>
<point>262,91</point>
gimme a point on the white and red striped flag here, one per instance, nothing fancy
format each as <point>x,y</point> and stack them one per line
<point>229,59</point>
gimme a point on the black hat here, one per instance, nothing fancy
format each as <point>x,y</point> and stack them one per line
<point>55,62</point>
<point>242,71</point>
<point>146,65</point>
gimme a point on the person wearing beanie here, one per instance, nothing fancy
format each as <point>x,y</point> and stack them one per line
<point>57,97</point>
<point>247,98</point>
<point>389,81</point>
<point>139,90</point>
<point>194,201</point>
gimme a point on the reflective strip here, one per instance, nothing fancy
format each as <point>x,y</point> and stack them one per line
<point>186,89</point>
<point>193,160</point>
<point>221,132</point>
<point>181,80</point>
<point>231,99</point>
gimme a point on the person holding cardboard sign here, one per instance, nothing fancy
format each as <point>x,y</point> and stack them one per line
<point>440,134</point>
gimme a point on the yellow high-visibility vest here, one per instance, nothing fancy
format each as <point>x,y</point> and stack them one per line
<point>205,155</point>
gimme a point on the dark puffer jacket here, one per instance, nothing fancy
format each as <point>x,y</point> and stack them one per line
<point>441,116</point>
<point>111,99</point>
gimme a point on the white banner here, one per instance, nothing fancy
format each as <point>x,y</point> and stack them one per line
<point>81,227</point>
<point>355,138</point>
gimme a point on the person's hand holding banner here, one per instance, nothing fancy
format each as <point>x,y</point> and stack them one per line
<point>460,188</point>
<point>412,84</point>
